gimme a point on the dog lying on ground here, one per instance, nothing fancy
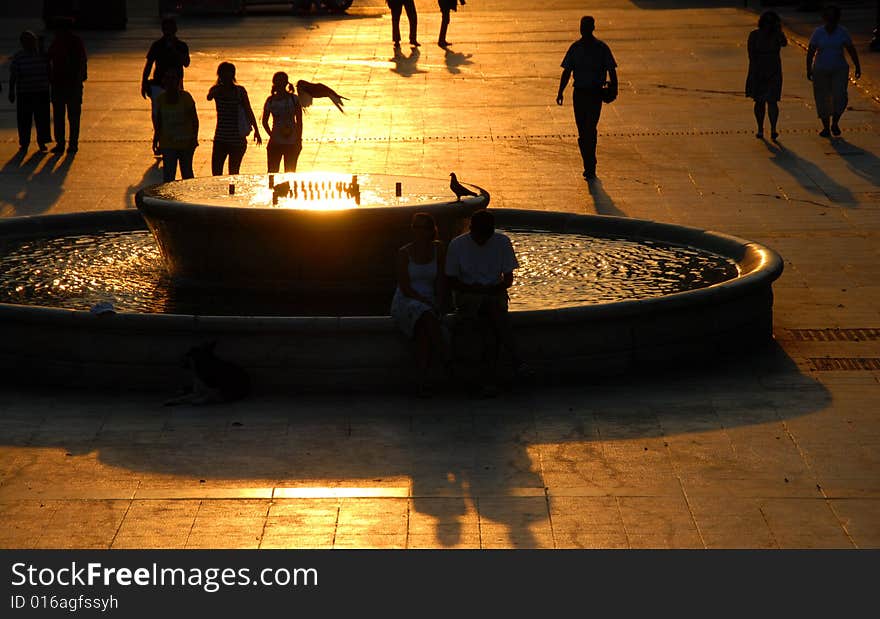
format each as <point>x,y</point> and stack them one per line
<point>214,380</point>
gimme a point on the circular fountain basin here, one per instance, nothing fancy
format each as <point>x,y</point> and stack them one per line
<point>592,336</point>
<point>314,231</point>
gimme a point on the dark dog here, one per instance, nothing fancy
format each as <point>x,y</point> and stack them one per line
<point>214,379</point>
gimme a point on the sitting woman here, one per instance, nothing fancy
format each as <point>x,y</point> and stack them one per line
<point>421,287</point>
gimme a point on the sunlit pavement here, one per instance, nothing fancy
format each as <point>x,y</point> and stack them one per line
<point>779,449</point>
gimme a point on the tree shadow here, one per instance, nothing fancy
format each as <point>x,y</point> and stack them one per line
<point>602,202</point>
<point>862,162</point>
<point>810,176</point>
<point>406,66</point>
<point>152,176</point>
<point>36,188</point>
<point>454,450</point>
<point>456,60</point>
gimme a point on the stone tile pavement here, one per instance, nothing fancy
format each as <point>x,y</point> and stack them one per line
<point>777,450</point>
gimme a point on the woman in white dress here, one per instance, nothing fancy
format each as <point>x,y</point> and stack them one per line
<point>421,288</point>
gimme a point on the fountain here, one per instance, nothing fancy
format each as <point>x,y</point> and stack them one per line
<point>293,276</point>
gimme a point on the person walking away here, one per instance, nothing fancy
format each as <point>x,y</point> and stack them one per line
<point>29,90</point>
<point>68,69</point>
<point>235,118</point>
<point>175,128</point>
<point>479,268</point>
<point>591,61</point>
<point>398,6</point>
<point>285,134</point>
<point>165,54</point>
<point>445,7</point>
<point>828,70</point>
<point>764,81</point>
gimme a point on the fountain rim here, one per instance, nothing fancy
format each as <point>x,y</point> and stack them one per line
<point>759,266</point>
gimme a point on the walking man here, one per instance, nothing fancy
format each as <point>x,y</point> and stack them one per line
<point>167,54</point>
<point>591,62</point>
<point>68,70</point>
<point>397,6</point>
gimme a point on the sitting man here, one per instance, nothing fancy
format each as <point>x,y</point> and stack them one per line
<point>479,268</point>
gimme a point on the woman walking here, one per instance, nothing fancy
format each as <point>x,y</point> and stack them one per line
<point>764,82</point>
<point>235,119</point>
<point>830,71</point>
<point>285,134</point>
<point>175,128</point>
<point>445,7</point>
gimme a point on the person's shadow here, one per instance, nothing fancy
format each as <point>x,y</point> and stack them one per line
<point>152,176</point>
<point>455,60</point>
<point>406,66</point>
<point>810,176</point>
<point>864,163</point>
<point>602,202</point>
<point>39,188</point>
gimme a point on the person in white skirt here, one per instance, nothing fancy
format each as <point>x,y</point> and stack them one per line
<point>421,287</point>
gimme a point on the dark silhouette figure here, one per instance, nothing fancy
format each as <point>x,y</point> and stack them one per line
<point>397,7</point>
<point>165,54</point>
<point>446,6</point>
<point>214,380</point>
<point>176,128</point>
<point>458,189</point>
<point>591,61</point>
<point>764,81</point>
<point>29,90</point>
<point>421,290</point>
<point>479,266</point>
<point>68,69</point>
<point>830,72</point>
<point>235,119</point>
<point>285,134</point>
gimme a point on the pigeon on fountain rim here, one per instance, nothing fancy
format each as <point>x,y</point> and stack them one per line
<point>458,189</point>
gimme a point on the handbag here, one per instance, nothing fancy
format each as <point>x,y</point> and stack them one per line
<point>244,123</point>
<point>608,93</point>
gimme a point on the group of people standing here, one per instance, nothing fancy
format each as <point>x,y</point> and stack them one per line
<point>38,78</point>
<point>399,6</point>
<point>176,122</point>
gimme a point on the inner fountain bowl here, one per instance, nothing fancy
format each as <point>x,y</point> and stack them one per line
<point>304,232</point>
<point>595,295</point>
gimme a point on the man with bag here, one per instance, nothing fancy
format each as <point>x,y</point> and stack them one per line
<point>167,54</point>
<point>591,62</point>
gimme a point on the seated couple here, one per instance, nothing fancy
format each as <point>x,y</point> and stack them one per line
<point>478,269</point>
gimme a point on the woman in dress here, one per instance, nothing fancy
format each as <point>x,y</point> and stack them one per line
<point>230,137</point>
<point>830,72</point>
<point>285,134</point>
<point>764,82</point>
<point>175,128</point>
<point>421,287</point>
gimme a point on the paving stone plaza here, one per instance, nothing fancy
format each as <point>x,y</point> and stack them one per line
<point>779,448</point>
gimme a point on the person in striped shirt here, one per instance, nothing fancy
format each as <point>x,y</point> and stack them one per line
<point>29,90</point>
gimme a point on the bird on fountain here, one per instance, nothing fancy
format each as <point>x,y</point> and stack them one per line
<point>458,189</point>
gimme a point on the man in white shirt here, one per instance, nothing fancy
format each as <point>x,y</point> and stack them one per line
<point>479,267</point>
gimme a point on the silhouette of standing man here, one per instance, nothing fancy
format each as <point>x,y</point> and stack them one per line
<point>591,61</point>
<point>67,72</point>
<point>397,6</point>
